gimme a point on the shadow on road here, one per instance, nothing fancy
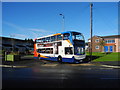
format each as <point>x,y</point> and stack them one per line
<point>89,58</point>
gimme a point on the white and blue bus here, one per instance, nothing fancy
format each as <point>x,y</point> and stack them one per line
<point>62,47</point>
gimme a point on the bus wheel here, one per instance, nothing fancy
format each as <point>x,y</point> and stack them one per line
<point>39,56</point>
<point>59,59</point>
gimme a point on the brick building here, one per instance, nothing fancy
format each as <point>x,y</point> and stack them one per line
<point>16,45</point>
<point>111,43</point>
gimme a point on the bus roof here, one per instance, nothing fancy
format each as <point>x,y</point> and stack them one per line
<point>49,35</point>
<point>69,32</point>
<point>58,34</point>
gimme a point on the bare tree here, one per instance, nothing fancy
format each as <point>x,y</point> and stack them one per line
<point>102,44</point>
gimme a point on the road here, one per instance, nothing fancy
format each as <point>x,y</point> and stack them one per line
<point>47,74</point>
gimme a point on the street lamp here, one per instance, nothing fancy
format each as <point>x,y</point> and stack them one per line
<point>12,42</point>
<point>63,22</point>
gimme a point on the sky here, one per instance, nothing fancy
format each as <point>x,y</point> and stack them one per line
<point>36,19</point>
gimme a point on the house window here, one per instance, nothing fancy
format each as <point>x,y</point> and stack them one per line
<point>96,47</point>
<point>119,47</point>
<point>110,41</point>
<point>97,40</point>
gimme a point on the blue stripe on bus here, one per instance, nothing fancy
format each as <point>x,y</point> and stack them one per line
<point>78,54</point>
<point>55,59</point>
<point>50,58</point>
<point>35,57</point>
<point>68,60</point>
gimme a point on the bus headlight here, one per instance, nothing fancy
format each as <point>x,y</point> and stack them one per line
<point>78,57</point>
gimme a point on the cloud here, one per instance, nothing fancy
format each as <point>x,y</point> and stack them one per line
<point>13,25</point>
<point>18,35</point>
<point>35,35</point>
<point>31,32</point>
<point>21,28</point>
<point>39,30</point>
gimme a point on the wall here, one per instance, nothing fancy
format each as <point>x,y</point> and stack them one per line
<point>94,44</point>
<point>117,40</point>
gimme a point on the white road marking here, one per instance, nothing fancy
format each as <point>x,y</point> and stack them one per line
<point>106,68</point>
<point>13,66</point>
<point>110,66</point>
<point>50,65</point>
<point>110,78</point>
<point>85,64</point>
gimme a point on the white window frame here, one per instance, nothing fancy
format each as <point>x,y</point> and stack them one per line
<point>96,47</point>
<point>119,47</point>
<point>97,40</point>
<point>110,41</point>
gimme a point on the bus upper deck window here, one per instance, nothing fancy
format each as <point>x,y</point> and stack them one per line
<point>66,36</point>
<point>43,39</point>
<point>38,41</point>
<point>77,36</point>
<point>59,37</point>
<point>53,38</point>
<point>48,39</point>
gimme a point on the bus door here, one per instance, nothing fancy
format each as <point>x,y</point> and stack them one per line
<point>61,51</point>
<point>54,51</point>
<point>52,55</point>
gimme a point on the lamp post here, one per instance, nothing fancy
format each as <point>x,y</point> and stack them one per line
<point>12,42</point>
<point>91,29</point>
<point>63,22</point>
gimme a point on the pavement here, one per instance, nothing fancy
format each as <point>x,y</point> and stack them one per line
<point>30,61</point>
<point>111,63</point>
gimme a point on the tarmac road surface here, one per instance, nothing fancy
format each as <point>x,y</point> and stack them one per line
<point>46,74</point>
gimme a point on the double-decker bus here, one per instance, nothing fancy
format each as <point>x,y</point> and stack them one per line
<point>62,47</point>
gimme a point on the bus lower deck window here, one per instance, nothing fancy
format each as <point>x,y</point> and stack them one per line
<point>45,50</point>
<point>68,50</point>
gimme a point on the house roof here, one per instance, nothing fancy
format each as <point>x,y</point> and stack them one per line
<point>95,36</point>
<point>110,36</point>
<point>11,38</point>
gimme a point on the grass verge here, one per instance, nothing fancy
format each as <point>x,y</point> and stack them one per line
<point>106,57</point>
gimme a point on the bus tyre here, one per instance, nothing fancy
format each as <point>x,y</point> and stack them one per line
<point>59,59</point>
<point>39,57</point>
